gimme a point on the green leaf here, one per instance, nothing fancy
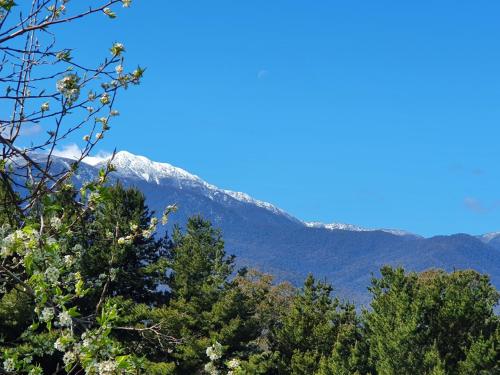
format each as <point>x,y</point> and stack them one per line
<point>7,4</point>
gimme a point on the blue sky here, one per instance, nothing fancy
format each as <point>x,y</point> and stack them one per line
<point>376,113</point>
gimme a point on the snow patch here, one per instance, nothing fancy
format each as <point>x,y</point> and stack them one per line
<point>130,165</point>
<point>356,228</point>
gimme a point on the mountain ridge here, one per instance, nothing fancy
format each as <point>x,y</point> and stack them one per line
<point>266,237</point>
<point>152,170</point>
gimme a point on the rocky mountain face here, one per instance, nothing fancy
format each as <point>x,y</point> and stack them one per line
<point>264,236</point>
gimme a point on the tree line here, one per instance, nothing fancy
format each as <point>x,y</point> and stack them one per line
<point>177,305</point>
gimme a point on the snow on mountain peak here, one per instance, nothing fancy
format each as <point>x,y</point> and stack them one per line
<point>130,165</point>
<point>489,236</point>
<point>355,228</point>
<point>148,170</point>
<point>336,226</point>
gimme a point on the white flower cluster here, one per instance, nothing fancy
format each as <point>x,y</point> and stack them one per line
<point>214,352</point>
<point>107,367</point>
<point>9,365</point>
<point>61,344</point>
<point>233,363</point>
<point>211,369</point>
<point>47,314</point>
<point>55,222</point>
<point>52,274</point>
<point>77,249</point>
<point>65,319</point>
<point>117,49</point>
<point>13,242</point>
<point>69,87</point>
<point>69,260</point>
<point>87,339</point>
<point>69,358</point>
<point>104,98</point>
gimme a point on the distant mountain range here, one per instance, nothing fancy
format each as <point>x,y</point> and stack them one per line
<point>264,236</point>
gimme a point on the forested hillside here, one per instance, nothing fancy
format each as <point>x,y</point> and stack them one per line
<point>178,306</point>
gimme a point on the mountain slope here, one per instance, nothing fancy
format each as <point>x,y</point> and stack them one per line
<point>264,236</point>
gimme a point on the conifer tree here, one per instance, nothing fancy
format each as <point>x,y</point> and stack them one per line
<point>308,331</point>
<point>428,322</point>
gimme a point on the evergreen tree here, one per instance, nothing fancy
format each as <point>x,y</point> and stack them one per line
<point>211,307</point>
<point>425,323</point>
<point>483,356</point>
<point>117,240</point>
<point>308,331</point>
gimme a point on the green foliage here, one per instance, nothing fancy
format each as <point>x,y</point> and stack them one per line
<point>208,306</point>
<point>427,323</point>
<point>483,356</point>
<point>199,265</point>
<point>16,311</point>
<point>95,292</point>
<point>309,330</point>
<point>118,241</point>
<point>209,319</point>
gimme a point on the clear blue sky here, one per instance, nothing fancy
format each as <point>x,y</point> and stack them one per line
<point>377,113</point>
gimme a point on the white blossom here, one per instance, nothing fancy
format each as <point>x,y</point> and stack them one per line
<point>55,222</point>
<point>104,98</point>
<point>47,314</point>
<point>52,274</point>
<point>107,367</point>
<point>69,358</point>
<point>233,363</point>
<point>214,352</point>
<point>117,49</point>
<point>9,365</point>
<point>50,241</point>
<point>65,319</point>
<point>60,344</point>
<point>69,87</point>
<point>69,260</point>
<point>211,369</point>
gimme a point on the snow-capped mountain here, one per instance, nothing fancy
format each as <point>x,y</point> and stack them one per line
<point>140,167</point>
<point>264,236</point>
<point>135,166</point>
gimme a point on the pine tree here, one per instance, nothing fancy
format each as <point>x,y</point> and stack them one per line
<point>420,323</point>
<point>308,331</point>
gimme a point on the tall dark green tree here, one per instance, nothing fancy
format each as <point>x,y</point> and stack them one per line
<point>427,323</point>
<point>118,240</point>
<point>309,329</point>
